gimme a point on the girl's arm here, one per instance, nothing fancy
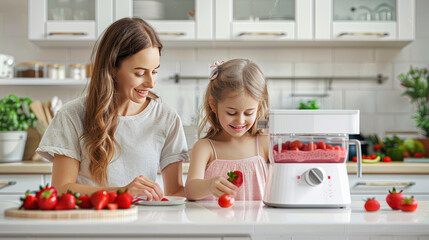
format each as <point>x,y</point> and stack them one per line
<point>64,176</point>
<point>196,186</point>
<point>172,178</point>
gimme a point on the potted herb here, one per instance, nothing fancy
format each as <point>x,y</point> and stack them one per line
<point>15,118</point>
<point>310,104</point>
<point>416,82</point>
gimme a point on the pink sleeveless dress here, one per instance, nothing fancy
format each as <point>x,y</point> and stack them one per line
<point>254,171</point>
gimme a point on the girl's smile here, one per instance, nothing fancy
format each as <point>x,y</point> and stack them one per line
<point>142,93</point>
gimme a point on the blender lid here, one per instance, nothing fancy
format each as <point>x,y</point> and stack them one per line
<point>314,121</point>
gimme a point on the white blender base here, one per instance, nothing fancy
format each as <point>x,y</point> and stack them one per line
<point>286,186</point>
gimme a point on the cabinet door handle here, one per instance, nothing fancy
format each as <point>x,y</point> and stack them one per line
<point>276,34</point>
<point>68,33</point>
<point>384,184</point>
<point>172,34</point>
<point>385,34</point>
<point>5,184</point>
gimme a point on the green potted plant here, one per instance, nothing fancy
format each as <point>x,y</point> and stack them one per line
<point>416,82</point>
<point>15,118</point>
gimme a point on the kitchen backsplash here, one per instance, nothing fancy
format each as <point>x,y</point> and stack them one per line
<point>382,106</point>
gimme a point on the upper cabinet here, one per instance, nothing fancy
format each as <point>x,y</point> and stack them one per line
<point>365,20</point>
<point>72,20</point>
<point>231,22</point>
<point>178,19</point>
<point>264,20</point>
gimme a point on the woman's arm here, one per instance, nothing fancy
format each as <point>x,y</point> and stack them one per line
<point>172,178</point>
<point>64,175</point>
<point>196,186</point>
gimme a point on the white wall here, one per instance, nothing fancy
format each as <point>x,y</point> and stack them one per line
<point>382,106</point>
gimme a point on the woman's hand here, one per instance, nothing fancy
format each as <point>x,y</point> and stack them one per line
<point>143,186</point>
<point>220,185</point>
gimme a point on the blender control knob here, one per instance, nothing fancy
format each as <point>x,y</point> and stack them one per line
<point>314,176</point>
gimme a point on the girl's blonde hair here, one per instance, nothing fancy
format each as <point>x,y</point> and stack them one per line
<point>237,76</point>
<point>120,41</point>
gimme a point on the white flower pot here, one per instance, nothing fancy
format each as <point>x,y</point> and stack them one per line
<point>12,146</point>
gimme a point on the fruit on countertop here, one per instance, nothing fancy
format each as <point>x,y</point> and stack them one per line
<point>235,177</point>
<point>372,205</point>
<point>409,204</point>
<point>387,159</point>
<point>48,200</point>
<point>124,199</point>
<point>99,199</point>
<point>29,202</point>
<point>394,199</point>
<point>226,201</point>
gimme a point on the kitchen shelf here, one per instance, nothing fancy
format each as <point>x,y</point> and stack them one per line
<point>42,82</point>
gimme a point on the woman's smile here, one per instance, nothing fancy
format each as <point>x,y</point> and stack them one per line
<point>142,93</point>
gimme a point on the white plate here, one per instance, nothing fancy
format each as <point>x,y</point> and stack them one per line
<point>171,201</point>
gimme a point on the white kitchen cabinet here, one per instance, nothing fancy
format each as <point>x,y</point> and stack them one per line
<point>264,20</point>
<point>24,182</point>
<point>176,20</point>
<point>72,20</point>
<point>365,20</point>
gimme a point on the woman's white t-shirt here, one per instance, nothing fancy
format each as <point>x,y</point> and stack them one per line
<point>152,139</point>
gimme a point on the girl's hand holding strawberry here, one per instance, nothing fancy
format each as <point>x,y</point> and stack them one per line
<point>143,186</point>
<point>218,186</point>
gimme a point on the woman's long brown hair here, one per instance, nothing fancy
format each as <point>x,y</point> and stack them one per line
<point>121,40</point>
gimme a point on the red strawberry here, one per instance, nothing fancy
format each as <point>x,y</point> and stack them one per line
<point>29,202</point>
<point>394,199</point>
<point>321,145</point>
<point>85,201</point>
<point>46,188</point>
<point>67,201</point>
<point>112,196</point>
<point>236,178</point>
<point>329,147</point>
<point>164,200</point>
<point>100,199</point>
<point>409,204</point>
<point>48,200</point>
<point>124,199</point>
<point>112,206</point>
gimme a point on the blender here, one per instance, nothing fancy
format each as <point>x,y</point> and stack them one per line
<point>307,158</point>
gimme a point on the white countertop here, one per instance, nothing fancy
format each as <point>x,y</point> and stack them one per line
<point>245,219</point>
<point>44,167</point>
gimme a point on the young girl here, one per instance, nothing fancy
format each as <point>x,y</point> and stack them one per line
<point>236,98</point>
<point>118,135</point>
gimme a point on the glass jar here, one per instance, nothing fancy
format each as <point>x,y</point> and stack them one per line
<point>53,71</point>
<point>29,70</point>
<point>61,71</point>
<point>77,71</point>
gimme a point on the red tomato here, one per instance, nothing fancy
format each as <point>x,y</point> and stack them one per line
<point>373,156</point>
<point>386,159</point>
<point>48,200</point>
<point>394,199</point>
<point>354,159</point>
<point>321,145</point>
<point>124,200</point>
<point>377,147</point>
<point>296,143</point>
<point>409,204</point>
<point>372,205</point>
<point>418,155</point>
<point>226,201</point>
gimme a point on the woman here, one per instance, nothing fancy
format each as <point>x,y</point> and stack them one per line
<point>120,133</point>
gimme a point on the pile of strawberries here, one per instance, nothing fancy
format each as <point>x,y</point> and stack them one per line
<point>395,200</point>
<point>47,199</point>
<point>236,178</point>
<point>299,146</point>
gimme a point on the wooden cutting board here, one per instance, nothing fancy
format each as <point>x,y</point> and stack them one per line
<point>71,214</point>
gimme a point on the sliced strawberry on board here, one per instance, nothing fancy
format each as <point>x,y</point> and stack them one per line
<point>164,200</point>
<point>112,206</point>
<point>236,178</point>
